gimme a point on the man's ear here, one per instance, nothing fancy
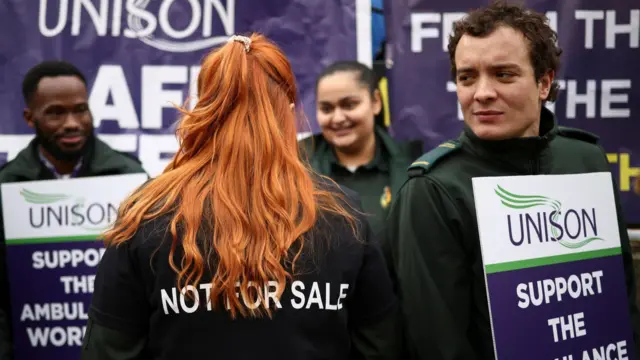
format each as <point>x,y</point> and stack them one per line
<point>544,85</point>
<point>27,114</point>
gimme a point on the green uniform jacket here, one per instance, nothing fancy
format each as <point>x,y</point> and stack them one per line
<point>432,239</point>
<point>101,160</point>
<point>397,157</point>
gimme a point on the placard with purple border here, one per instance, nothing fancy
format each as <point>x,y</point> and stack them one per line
<point>553,265</point>
<point>51,228</point>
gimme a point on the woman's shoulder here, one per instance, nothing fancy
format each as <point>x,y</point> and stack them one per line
<point>346,196</point>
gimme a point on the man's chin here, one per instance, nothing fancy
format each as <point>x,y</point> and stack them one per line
<point>69,154</point>
<point>72,149</point>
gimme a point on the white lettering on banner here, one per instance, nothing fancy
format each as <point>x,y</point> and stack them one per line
<point>571,326</point>
<point>82,284</point>
<point>108,14</point>
<point>318,296</point>
<point>57,336</point>
<point>55,259</point>
<point>54,312</point>
<point>588,98</point>
<point>111,81</point>
<point>543,291</point>
<point>608,98</point>
<point>632,29</point>
<point>419,31</point>
<point>612,27</point>
<point>587,95</point>
<point>613,351</point>
<point>99,19</point>
<point>589,17</point>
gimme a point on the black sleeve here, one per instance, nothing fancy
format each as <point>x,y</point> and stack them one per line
<point>102,343</point>
<point>424,247</point>
<point>373,316</point>
<point>380,340</point>
<point>119,301</point>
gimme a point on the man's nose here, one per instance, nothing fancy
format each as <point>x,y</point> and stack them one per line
<point>485,91</point>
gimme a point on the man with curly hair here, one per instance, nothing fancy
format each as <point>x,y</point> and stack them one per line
<point>504,59</point>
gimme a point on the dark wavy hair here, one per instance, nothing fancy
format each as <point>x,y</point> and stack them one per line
<point>543,51</point>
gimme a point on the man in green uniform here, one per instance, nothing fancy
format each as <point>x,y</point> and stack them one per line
<point>64,147</point>
<point>504,59</point>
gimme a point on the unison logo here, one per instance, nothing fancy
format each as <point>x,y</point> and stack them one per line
<point>62,210</point>
<point>571,228</point>
<point>169,25</point>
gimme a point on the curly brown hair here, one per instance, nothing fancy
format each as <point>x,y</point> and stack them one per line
<point>543,51</point>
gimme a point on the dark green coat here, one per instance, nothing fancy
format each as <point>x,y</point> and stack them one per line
<point>101,161</point>
<point>432,238</point>
<point>392,157</point>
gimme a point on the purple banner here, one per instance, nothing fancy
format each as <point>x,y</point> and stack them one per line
<point>599,75</point>
<point>570,311</point>
<point>51,291</point>
<point>140,57</point>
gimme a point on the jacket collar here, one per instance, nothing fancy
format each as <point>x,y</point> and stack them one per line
<point>99,159</point>
<point>516,153</point>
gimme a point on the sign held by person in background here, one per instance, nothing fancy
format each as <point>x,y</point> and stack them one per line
<point>51,229</point>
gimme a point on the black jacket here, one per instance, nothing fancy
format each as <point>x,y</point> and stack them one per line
<point>101,160</point>
<point>130,318</point>
<point>432,238</point>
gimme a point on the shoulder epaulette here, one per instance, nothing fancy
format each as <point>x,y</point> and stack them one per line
<point>578,134</point>
<point>426,161</point>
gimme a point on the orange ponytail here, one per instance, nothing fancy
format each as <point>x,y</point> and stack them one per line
<point>237,174</point>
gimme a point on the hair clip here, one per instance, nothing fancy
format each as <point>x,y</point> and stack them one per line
<point>243,39</point>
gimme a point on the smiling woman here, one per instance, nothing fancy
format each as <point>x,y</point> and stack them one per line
<point>352,149</point>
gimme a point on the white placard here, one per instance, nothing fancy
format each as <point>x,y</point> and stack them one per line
<point>530,217</point>
<point>64,208</point>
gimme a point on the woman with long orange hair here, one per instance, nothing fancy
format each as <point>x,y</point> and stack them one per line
<point>237,250</point>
